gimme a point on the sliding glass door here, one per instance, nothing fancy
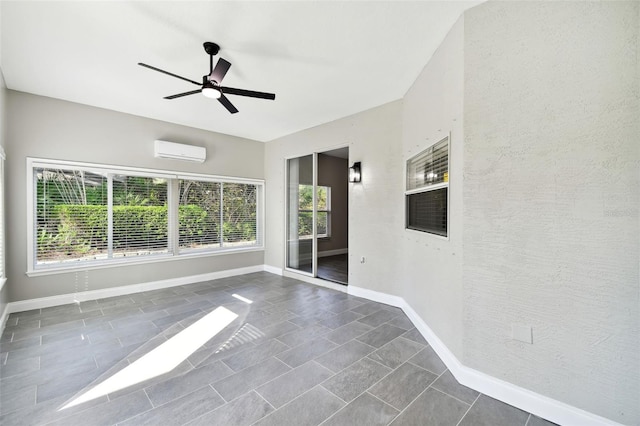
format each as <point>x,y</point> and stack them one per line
<point>301,213</point>
<point>317,192</point>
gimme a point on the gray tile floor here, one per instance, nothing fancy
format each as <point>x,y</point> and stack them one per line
<point>298,355</point>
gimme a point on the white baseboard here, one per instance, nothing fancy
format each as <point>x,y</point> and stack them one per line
<point>316,281</point>
<point>540,405</point>
<point>272,269</point>
<point>335,252</point>
<point>63,299</point>
<point>376,296</point>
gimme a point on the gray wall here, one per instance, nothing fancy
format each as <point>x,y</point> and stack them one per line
<point>375,204</point>
<point>551,196</point>
<point>4,291</point>
<point>334,172</point>
<point>49,128</point>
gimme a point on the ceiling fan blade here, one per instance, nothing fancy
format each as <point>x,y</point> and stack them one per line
<point>227,104</point>
<point>179,95</point>
<point>220,70</point>
<point>169,73</point>
<point>250,93</point>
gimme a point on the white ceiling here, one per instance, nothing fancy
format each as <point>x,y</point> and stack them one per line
<point>323,60</point>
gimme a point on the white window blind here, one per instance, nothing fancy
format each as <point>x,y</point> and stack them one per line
<point>239,214</point>
<point>71,216</point>
<point>427,211</point>
<point>140,216</point>
<point>427,194</point>
<point>429,167</point>
<point>86,215</point>
<point>199,214</point>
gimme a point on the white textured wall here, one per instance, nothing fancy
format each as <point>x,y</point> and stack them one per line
<point>375,205</point>
<point>50,128</point>
<point>551,197</point>
<point>433,106</point>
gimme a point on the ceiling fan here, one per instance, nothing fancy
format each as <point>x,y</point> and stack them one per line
<point>210,86</point>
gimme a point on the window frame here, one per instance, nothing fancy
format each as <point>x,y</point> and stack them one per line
<point>428,188</point>
<point>327,211</point>
<point>174,253</point>
<point>327,235</point>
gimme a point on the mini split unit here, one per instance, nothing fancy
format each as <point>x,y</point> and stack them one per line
<point>178,151</point>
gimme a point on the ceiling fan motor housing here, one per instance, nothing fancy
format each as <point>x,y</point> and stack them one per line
<point>211,48</point>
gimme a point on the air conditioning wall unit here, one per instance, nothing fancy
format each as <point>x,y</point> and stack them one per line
<point>179,151</point>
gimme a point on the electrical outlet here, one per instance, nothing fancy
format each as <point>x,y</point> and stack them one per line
<point>522,333</point>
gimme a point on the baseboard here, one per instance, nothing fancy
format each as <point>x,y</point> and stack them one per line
<point>376,296</point>
<point>540,405</point>
<point>63,299</point>
<point>335,252</point>
<point>272,269</point>
<point>316,281</point>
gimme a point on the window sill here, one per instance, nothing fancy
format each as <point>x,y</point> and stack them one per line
<point>419,232</point>
<point>131,262</point>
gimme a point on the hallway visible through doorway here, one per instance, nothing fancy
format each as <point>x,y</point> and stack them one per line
<point>334,268</point>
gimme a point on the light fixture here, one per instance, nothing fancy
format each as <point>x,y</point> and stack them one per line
<point>354,173</point>
<point>211,91</point>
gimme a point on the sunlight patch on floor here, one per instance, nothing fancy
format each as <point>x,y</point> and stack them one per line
<point>244,299</point>
<point>164,358</point>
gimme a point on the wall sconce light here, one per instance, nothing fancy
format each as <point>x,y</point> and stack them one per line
<point>354,173</point>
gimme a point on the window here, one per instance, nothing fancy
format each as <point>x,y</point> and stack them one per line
<point>427,194</point>
<point>324,211</point>
<point>93,215</point>
<point>207,219</point>
<point>305,211</point>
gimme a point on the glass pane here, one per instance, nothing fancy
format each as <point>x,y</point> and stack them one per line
<point>323,228</point>
<point>71,216</point>
<point>427,211</point>
<point>300,213</point>
<point>199,215</point>
<point>140,216</point>
<point>323,197</point>
<point>323,231</point>
<point>239,210</point>
<point>429,167</point>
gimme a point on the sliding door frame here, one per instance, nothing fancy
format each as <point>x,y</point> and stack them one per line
<point>314,261</point>
<point>314,237</point>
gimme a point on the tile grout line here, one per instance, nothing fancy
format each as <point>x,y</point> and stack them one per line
<point>451,396</point>
<point>432,372</point>
<point>417,396</point>
<point>294,399</point>
<point>386,403</point>
<point>468,409</point>
<point>218,393</point>
<point>265,399</point>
